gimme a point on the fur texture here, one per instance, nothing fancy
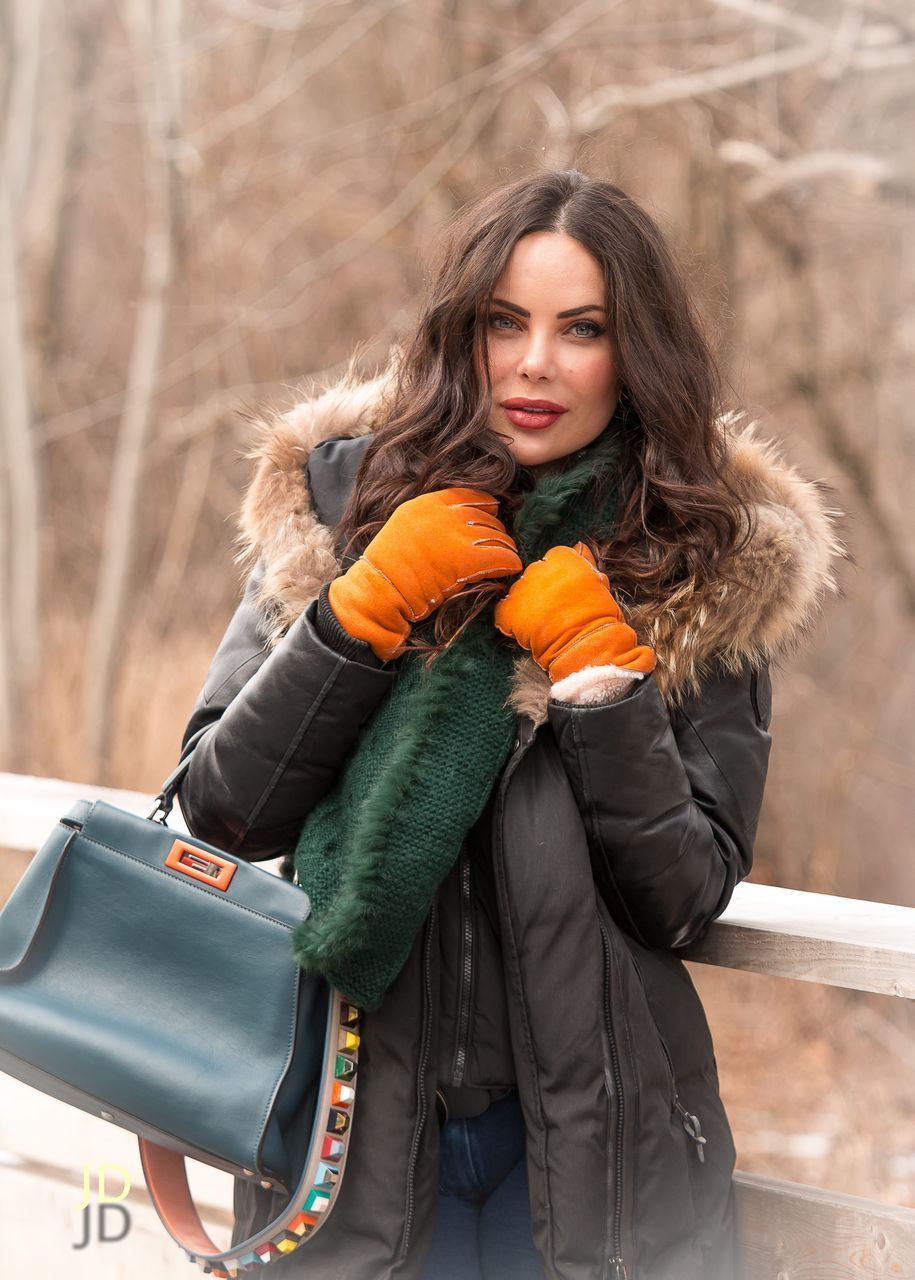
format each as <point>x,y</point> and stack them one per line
<point>788,564</point>
<point>596,684</point>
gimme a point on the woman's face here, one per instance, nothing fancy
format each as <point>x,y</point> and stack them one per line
<point>537,352</point>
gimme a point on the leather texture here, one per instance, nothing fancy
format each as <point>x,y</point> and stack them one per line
<point>672,820</point>
<point>279,746</point>
<point>132,1016</point>
<point>615,835</point>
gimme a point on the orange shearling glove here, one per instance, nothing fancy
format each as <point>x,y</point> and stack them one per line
<point>427,549</point>
<point>561,608</point>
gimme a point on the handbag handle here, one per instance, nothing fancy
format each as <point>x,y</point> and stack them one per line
<point>165,800</point>
<point>312,1200</point>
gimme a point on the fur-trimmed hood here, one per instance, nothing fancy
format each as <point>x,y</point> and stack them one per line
<point>788,563</point>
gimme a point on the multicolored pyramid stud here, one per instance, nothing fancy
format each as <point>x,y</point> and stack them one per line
<point>323,1173</point>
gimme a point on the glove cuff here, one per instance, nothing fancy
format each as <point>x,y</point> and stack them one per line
<point>336,637</point>
<point>609,642</point>
<point>368,606</point>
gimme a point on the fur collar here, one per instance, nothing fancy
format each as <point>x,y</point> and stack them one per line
<point>790,559</point>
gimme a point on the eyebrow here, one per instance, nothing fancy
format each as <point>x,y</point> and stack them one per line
<point>560,315</point>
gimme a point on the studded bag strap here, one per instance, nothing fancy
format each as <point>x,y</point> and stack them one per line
<point>311,1202</point>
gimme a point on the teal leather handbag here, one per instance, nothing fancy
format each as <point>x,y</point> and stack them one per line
<point>147,977</point>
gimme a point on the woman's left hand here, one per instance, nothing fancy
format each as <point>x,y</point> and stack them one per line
<point>561,608</point>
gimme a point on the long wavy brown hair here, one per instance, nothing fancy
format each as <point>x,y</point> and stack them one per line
<point>678,517</point>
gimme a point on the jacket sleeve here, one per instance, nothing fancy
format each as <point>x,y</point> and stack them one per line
<point>283,722</point>
<point>670,802</point>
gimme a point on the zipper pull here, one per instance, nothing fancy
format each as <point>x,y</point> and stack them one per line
<point>618,1269</point>
<point>693,1128</point>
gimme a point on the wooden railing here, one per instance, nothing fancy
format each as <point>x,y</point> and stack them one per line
<point>788,1230</point>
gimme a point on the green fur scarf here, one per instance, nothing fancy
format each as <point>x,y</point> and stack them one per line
<point>373,852</point>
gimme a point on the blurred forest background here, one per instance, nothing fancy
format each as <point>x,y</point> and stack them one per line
<point>206,205</point>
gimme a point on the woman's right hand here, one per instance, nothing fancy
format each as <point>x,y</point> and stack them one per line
<point>429,547</point>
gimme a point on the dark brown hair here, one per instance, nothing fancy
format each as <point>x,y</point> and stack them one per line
<point>677,517</point>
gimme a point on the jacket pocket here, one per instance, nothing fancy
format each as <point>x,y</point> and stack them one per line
<point>662,1043</point>
<point>686,1120</point>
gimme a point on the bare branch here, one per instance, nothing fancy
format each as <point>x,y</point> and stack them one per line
<point>864,171</point>
<point>277,91</point>
<point>773,15</point>
<point>263,15</point>
<point>20,125</point>
<point>830,51</point>
<point>559,125</point>
<point>505,71</point>
<point>385,221</point>
<point>22,630</point>
<point>189,499</point>
<point>854,42</point>
<point>161,101</point>
<point>200,419</point>
<point>596,111</point>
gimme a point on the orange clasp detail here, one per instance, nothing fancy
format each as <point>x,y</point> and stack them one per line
<point>194,862</point>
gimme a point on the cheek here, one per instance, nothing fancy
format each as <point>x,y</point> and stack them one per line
<point>498,360</point>
<point>594,375</point>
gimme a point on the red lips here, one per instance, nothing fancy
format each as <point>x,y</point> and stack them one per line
<point>521,402</point>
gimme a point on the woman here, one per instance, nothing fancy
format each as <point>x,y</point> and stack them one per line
<point>510,802</point>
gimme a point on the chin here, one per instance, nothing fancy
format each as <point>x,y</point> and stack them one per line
<point>528,455</point>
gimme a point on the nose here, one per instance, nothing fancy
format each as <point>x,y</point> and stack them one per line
<point>536,359</point>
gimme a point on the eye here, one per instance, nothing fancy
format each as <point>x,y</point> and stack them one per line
<point>592,330</point>
<point>595,330</point>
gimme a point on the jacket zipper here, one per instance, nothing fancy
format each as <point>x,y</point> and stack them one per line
<point>525,733</point>
<point>421,1083</point>
<point>690,1122</point>
<point>617,1265</point>
<point>460,1056</point>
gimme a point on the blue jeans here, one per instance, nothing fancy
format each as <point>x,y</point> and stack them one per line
<point>483,1221</point>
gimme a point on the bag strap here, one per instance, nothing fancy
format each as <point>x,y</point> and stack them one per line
<point>166,798</point>
<point>311,1201</point>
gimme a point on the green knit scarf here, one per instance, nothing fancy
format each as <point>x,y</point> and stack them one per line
<point>373,851</point>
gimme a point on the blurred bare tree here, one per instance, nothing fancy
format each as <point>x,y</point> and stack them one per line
<point>154,27</point>
<point>204,202</point>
